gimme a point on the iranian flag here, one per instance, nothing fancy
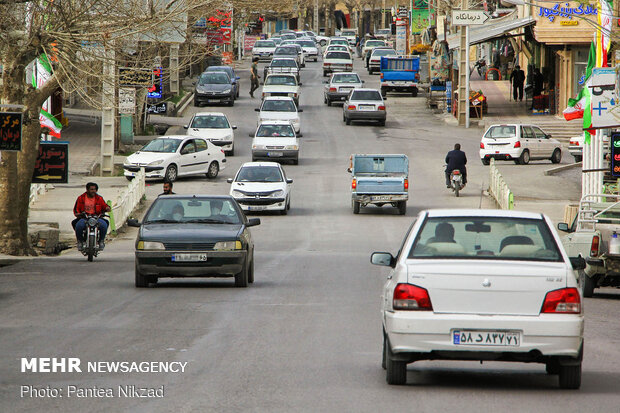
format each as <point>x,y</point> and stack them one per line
<point>577,107</point>
<point>603,33</point>
<point>48,121</point>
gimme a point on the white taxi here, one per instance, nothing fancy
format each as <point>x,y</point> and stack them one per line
<point>214,127</point>
<point>261,186</point>
<point>482,285</point>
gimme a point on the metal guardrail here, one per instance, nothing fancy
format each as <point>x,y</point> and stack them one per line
<point>36,190</point>
<point>126,201</point>
<point>499,189</point>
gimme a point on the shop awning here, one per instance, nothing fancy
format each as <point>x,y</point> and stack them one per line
<point>486,32</point>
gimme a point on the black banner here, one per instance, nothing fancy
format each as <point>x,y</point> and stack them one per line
<point>128,76</point>
<point>11,131</point>
<point>615,153</point>
<point>52,165</point>
<point>158,108</point>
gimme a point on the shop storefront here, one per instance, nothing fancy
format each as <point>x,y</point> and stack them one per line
<point>564,38</point>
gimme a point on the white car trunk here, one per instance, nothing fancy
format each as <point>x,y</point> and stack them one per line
<point>488,287</point>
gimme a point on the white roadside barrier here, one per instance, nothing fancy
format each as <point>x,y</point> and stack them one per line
<point>499,189</point>
<point>126,201</point>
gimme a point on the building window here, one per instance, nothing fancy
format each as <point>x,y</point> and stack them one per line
<point>580,59</point>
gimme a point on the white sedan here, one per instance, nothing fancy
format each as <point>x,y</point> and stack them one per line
<point>262,186</point>
<point>168,157</point>
<point>279,108</point>
<point>482,285</point>
<point>214,127</point>
<point>337,62</point>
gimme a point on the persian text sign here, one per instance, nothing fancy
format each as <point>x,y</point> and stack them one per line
<point>469,17</point>
<point>567,12</point>
<point>11,131</point>
<point>52,165</point>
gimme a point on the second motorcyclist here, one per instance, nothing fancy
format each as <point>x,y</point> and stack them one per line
<point>456,159</point>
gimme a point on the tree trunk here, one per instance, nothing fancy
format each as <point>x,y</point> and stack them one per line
<point>16,168</point>
<point>301,18</point>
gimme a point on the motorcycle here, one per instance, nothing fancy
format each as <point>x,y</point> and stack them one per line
<point>456,182</point>
<point>480,66</point>
<point>91,235</point>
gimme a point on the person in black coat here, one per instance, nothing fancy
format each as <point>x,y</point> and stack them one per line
<point>456,159</point>
<point>517,77</point>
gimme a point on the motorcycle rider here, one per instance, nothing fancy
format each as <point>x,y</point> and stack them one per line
<point>456,159</point>
<point>89,203</point>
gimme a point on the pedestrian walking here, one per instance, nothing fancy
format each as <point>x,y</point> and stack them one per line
<point>517,78</point>
<point>254,76</point>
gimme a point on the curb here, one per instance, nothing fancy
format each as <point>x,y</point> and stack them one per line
<point>557,169</point>
<point>190,97</point>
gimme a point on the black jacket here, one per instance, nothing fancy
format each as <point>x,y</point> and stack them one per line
<point>456,159</point>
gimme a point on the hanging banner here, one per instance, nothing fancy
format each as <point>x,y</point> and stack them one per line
<point>604,101</point>
<point>401,37</point>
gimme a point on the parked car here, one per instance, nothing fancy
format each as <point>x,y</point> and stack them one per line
<point>482,285</point>
<point>194,236</point>
<point>309,48</point>
<point>381,179</point>
<point>364,104</point>
<point>262,186</point>
<point>575,145</point>
<point>337,62</point>
<point>215,128</point>
<point>282,85</point>
<point>263,49</point>
<point>275,140</point>
<point>168,157</point>
<point>234,79</point>
<point>214,87</point>
<point>519,143</point>
<point>339,86</point>
<point>370,44</point>
<point>282,65</point>
<point>374,60</point>
<point>289,51</point>
<point>280,108</point>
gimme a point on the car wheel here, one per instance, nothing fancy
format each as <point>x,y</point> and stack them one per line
<point>347,121</point>
<point>402,207</point>
<point>241,279</point>
<point>324,73</point>
<point>141,279</point>
<point>589,284</point>
<point>370,71</point>
<point>524,159</point>
<point>171,173</point>
<point>578,158</point>
<point>382,122</point>
<point>324,98</point>
<point>557,156</point>
<point>552,367</point>
<point>214,169</point>
<point>231,152</point>
<point>284,211</point>
<point>253,159</point>
<point>296,161</point>
<point>251,272</point>
<point>395,371</point>
<point>129,178</point>
<point>570,377</point>
<point>486,161</point>
<point>231,102</point>
<point>414,93</point>
<point>384,352</point>
<point>356,207</point>
<point>329,102</point>
<point>196,103</point>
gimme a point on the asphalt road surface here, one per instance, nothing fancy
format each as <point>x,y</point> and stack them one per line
<point>306,336</point>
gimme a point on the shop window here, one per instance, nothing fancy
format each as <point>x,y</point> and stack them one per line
<point>580,58</point>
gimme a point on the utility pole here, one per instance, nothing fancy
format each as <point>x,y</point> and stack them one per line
<point>463,115</point>
<point>315,18</point>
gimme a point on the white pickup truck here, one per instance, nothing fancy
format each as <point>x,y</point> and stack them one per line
<point>283,84</point>
<point>589,237</point>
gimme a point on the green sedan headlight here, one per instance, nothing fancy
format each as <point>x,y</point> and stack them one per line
<point>150,245</point>
<point>227,246</point>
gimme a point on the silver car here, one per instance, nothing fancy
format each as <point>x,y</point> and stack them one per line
<point>339,86</point>
<point>364,104</point>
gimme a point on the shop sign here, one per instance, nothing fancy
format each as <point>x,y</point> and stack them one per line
<point>615,154</point>
<point>156,90</point>
<point>52,164</point>
<point>11,131</point>
<point>569,23</point>
<point>567,12</point>
<point>157,109</point>
<point>126,101</point>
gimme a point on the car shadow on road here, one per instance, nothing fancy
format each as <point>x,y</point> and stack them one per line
<point>606,295</point>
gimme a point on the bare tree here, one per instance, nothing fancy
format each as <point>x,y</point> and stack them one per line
<point>79,37</point>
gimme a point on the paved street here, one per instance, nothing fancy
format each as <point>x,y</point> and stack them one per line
<point>306,336</point>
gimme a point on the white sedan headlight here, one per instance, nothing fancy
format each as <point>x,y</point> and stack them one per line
<point>150,245</point>
<point>277,194</point>
<point>227,90</point>
<point>236,194</point>
<point>227,246</point>
<point>157,162</point>
<point>291,147</point>
<point>258,147</point>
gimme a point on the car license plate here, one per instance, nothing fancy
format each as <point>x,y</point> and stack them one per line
<point>213,100</point>
<point>486,338</point>
<point>256,208</point>
<point>189,257</point>
<point>380,198</point>
<point>274,154</point>
<point>367,107</point>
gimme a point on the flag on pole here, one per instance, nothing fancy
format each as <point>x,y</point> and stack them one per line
<point>603,32</point>
<point>577,106</point>
<point>48,121</point>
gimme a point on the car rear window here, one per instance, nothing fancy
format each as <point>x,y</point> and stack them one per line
<point>345,78</point>
<point>281,80</point>
<point>264,43</point>
<point>286,51</point>
<point>283,63</point>
<point>488,238</point>
<point>366,95</point>
<point>307,43</point>
<point>338,55</point>
<point>384,52</point>
<point>380,165</point>
<point>375,43</point>
<point>501,132</point>
<point>210,121</point>
<point>275,131</point>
